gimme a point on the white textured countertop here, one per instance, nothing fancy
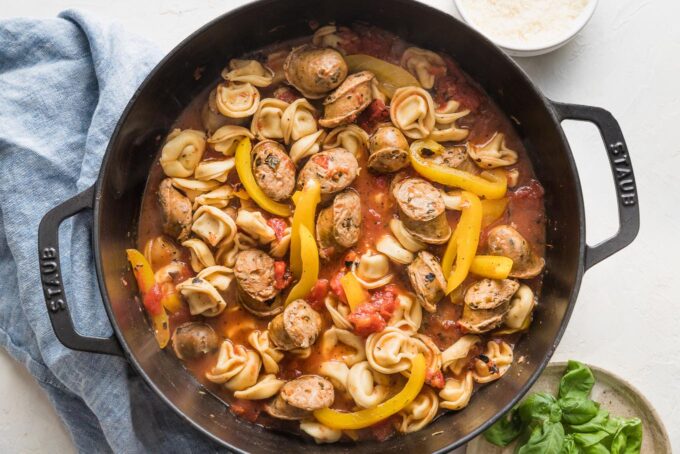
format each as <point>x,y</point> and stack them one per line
<point>626,318</point>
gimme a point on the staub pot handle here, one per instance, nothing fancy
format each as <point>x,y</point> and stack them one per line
<point>622,171</point>
<point>53,284</point>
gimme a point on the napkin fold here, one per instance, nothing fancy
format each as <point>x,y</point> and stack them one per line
<point>63,84</point>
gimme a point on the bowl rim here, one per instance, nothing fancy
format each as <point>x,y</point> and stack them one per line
<point>581,22</point>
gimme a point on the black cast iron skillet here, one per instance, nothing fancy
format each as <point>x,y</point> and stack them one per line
<point>116,198</point>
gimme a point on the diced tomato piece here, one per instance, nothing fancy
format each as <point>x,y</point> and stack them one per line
<point>435,379</point>
<point>374,114</point>
<point>385,301</point>
<point>152,300</point>
<point>246,409</point>
<point>279,226</point>
<point>336,287</point>
<point>282,276</point>
<point>366,320</point>
<point>318,294</point>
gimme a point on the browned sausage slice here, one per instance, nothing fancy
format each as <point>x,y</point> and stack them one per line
<point>273,169</point>
<point>254,272</point>
<point>347,217</point>
<point>308,392</point>
<point>297,327</point>
<point>418,199</point>
<point>490,293</point>
<point>175,209</point>
<point>427,279</point>
<point>335,169</point>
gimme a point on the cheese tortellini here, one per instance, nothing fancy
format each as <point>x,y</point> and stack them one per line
<point>266,123</point>
<point>202,297</point>
<point>423,64</point>
<point>320,433</point>
<point>334,335</point>
<point>373,270</point>
<point>269,354</point>
<point>408,315</point>
<point>237,367</point>
<point>337,372</point>
<point>250,71</point>
<point>494,364</point>
<point>455,355</point>
<point>390,351</point>
<point>367,387</point>
<point>193,188</point>
<point>457,392</point>
<point>446,129</point>
<point>213,225</point>
<point>350,137</point>
<point>412,111</point>
<point>420,412</point>
<point>519,315</point>
<point>298,120</point>
<point>226,138</point>
<point>182,152</point>
<point>237,100</point>
<point>218,198</point>
<point>266,387</point>
<point>217,170</point>
<point>389,246</point>
<point>339,312</point>
<point>255,225</point>
<point>219,277</point>
<point>492,154</point>
<point>306,146</point>
<point>201,257</point>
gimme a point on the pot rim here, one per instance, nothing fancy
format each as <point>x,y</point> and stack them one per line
<point>426,10</point>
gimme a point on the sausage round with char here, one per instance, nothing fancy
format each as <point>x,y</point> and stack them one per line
<point>175,209</point>
<point>273,169</point>
<point>297,327</point>
<point>335,169</point>
<point>254,272</point>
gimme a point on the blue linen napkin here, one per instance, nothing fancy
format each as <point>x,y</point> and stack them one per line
<point>63,84</point>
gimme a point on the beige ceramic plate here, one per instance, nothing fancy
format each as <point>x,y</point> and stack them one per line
<point>615,395</point>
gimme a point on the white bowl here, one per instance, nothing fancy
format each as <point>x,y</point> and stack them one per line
<point>530,50</point>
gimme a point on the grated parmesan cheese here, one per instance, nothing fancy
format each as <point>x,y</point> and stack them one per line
<point>524,22</point>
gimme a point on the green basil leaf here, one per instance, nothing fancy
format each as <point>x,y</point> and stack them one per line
<point>540,407</point>
<point>590,438</point>
<point>578,410</point>
<point>569,446</point>
<point>600,422</point>
<point>546,438</point>
<point>578,380</point>
<point>628,438</point>
<point>598,448</point>
<point>505,430</point>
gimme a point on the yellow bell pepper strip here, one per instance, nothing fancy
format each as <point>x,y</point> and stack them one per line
<point>492,210</point>
<point>491,266</point>
<point>367,417</point>
<point>245,174</point>
<point>467,238</point>
<point>389,76</point>
<point>490,184</point>
<point>305,211</point>
<point>171,302</point>
<point>450,254</point>
<point>310,266</point>
<point>151,297</point>
<point>355,293</point>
